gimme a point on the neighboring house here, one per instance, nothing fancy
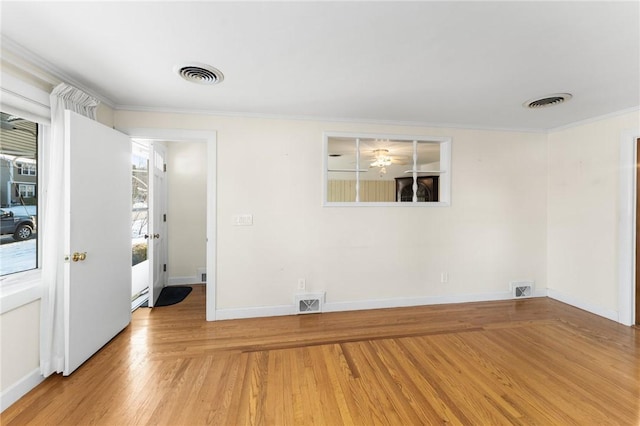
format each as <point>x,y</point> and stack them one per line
<point>19,182</point>
<point>18,162</point>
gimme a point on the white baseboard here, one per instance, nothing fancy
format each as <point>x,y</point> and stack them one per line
<point>20,389</point>
<point>358,305</point>
<point>255,312</point>
<point>183,280</point>
<point>581,304</point>
<point>420,301</point>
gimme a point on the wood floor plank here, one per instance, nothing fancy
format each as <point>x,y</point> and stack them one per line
<point>525,362</point>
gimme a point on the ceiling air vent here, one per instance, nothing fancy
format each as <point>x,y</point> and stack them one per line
<point>548,101</point>
<point>200,73</point>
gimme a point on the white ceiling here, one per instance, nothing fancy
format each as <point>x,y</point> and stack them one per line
<point>468,64</point>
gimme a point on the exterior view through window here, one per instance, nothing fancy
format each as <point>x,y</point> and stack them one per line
<point>140,206</point>
<point>139,224</point>
<point>18,194</point>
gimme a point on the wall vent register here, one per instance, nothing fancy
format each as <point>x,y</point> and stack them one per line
<point>309,303</point>
<point>522,289</point>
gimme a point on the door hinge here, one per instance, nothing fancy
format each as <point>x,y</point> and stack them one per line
<point>164,167</point>
<point>164,217</point>
<point>164,268</point>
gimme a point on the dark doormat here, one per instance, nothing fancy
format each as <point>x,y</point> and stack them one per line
<point>172,295</point>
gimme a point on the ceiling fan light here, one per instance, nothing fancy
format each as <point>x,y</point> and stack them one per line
<point>381,157</point>
<point>381,162</point>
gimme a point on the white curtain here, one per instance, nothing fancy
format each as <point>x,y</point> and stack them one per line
<point>52,306</point>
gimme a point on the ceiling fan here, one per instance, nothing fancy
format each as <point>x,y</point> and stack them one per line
<point>381,159</point>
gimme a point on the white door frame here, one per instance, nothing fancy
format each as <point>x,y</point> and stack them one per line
<point>210,138</point>
<point>626,228</point>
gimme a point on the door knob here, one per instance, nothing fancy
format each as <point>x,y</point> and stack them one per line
<point>156,235</point>
<point>146,236</point>
<point>79,256</point>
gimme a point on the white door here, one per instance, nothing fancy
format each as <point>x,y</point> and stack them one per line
<point>157,221</point>
<point>98,231</point>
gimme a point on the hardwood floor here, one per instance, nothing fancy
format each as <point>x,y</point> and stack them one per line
<point>534,361</point>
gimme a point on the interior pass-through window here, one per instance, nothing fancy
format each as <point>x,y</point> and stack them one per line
<point>386,170</point>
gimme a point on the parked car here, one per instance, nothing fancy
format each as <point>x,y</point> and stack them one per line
<point>21,226</point>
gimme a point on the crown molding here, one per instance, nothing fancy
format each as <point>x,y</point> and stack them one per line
<point>35,66</point>
<point>595,119</point>
<point>136,108</point>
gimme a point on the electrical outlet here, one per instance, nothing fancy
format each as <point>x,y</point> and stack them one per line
<point>302,284</point>
<point>444,277</point>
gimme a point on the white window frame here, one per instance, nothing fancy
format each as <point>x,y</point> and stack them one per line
<point>444,199</point>
<point>32,103</point>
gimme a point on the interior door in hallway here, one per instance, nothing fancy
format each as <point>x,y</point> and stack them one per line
<point>97,212</point>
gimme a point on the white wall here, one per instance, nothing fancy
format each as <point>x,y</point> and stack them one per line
<point>186,209</point>
<point>584,174</point>
<point>493,233</point>
<point>20,342</point>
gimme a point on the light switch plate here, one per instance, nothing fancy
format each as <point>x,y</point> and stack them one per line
<point>243,220</point>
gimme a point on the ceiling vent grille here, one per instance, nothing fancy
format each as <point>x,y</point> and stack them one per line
<point>548,101</point>
<point>200,73</point>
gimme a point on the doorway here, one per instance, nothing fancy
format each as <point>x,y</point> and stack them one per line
<point>139,224</point>
<point>148,222</point>
<point>209,139</point>
<point>187,223</point>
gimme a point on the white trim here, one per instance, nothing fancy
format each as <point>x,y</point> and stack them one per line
<point>385,204</point>
<point>25,100</point>
<point>581,304</point>
<point>594,119</point>
<point>421,301</point>
<point>262,116</point>
<point>182,281</point>
<point>255,312</point>
<point>20,389</point>
<point>19,289</point>
<point>26,287</point>
<point>210,138</point>
<point>45,70</point>
<point>626,227</point>
<point>394,136</point>
<point>359,305</point>
<point>26,61</point>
